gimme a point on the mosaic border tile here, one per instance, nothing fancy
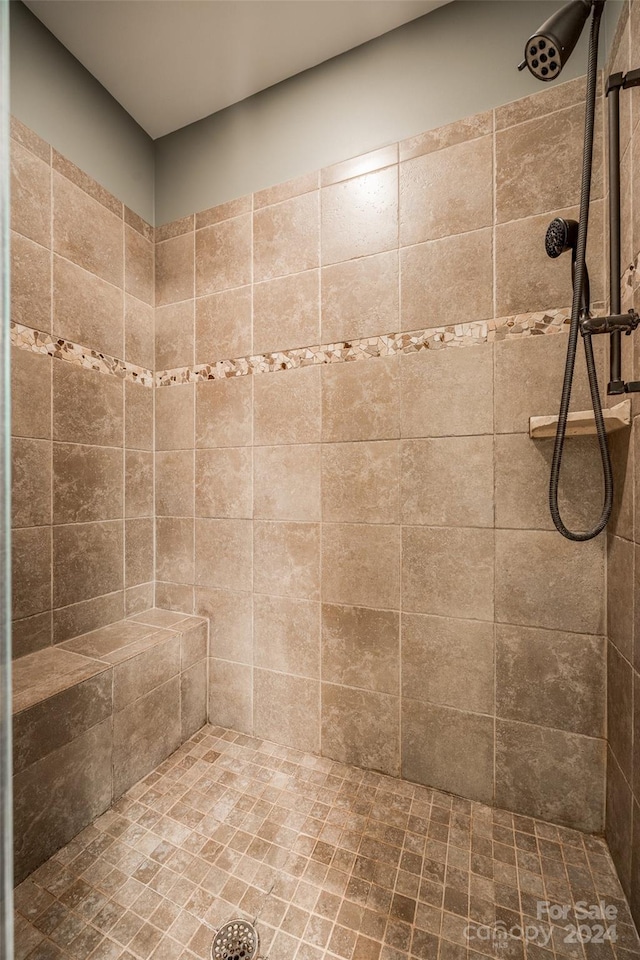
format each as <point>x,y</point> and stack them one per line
<point>469,334</point>
<point>26,338</point>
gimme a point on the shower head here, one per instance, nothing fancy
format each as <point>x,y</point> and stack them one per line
<point>562,235</point>
<point>549,48</point>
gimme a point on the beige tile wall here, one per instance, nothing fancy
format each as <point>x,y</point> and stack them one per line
<point>83,270</point>
<point>371,541</point>
<point>623,567</point>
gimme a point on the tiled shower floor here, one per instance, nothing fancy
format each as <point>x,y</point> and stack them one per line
<point>333,861</point>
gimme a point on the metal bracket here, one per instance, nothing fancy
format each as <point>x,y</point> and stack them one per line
<point>632,79</point>
<point>622,81</point>
<point>614,82</point>
<point>617,323</point>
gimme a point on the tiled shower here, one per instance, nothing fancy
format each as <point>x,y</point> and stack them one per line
<point>285,579</point>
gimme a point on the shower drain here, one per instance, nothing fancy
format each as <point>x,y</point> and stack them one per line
<point>235,940</point>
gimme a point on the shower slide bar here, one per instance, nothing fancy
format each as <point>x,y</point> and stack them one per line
<point>616,323</point>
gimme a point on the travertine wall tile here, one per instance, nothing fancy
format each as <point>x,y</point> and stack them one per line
<point>286,237</point>
<point>448,393</point>
<point>370,394</point>
<point>360,216</point>
<point>550,773</point>
<point>361,727</point>
<point>87,309</point>
<point>87,483</point>
<point>139,554</point>
<point>286,559</point>
<point>459,757</point>
<point>30,482</point>
<point>286,482</point>
<point>448,662</point>
<point>360,298</point>
<point>223,554</point>
<point>175,418</point>
<point>223,482</point>
<point>550,678</point>
<point>361,564</point>
<point>138,417</point>
<point>532,569</point>
<point>528,382</point>
<point>288,708</point>
<point>522,465</point>
<point>44,818</point>
<point>138,483</point>
<point>286,635</point>
<point>174,549</point>
<point>223,255</point>
<point>361,481</point>
<point>30,195</point>
<point>430,280</point>
<point>224,413</point>
<point>526,279</point>
<point>87,561</point>
<point>139,261</point>
<point>31,571</point>
<point>231,695</point>
<point>174,269</point>
<point>287,408</point>
<point>620,710</point>
<point>175,483</point>
<point>87,406</point>
<point>621,586</point>
<point>526,183</point>
<point>230,615</point>
<point>138,332</point>
<point>174,335</point>
<point>460,560</point>
<point>30,283</point>
<point>86,232</point>
<point>86,615</point>
<point>144,733</point>
<point>361,647</point>
<point>223,325</point>
<point>286,311</point>
<point>448,481</point>
<point>446,192</point>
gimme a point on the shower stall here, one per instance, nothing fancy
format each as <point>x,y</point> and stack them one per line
<point>301,667</point>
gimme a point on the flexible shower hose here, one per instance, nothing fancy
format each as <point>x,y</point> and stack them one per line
<point>574,330</point>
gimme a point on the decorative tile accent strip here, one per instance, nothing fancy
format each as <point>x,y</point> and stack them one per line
<point>458,335</point>
<point>469,334</point>
<point>25,338</point>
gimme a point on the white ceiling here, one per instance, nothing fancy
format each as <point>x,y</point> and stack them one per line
<point>171,62</point>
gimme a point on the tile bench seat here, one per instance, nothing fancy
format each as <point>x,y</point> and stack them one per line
<point>93,715</point>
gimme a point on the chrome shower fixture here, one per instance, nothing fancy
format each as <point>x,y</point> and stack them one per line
<point>549,48</point>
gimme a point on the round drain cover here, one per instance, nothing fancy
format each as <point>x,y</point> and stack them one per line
<point>235,940</point>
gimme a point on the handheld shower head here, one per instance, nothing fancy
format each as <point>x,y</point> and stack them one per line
<point>548,49</point>
<point>562,236</point>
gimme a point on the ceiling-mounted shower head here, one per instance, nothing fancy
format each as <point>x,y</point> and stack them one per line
<point>561,236</point>
<point>549,48</point>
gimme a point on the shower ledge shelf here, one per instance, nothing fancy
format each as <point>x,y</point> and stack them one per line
<point>582,423</point>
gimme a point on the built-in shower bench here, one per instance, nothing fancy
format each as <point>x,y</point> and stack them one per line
<point>93,715</point>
